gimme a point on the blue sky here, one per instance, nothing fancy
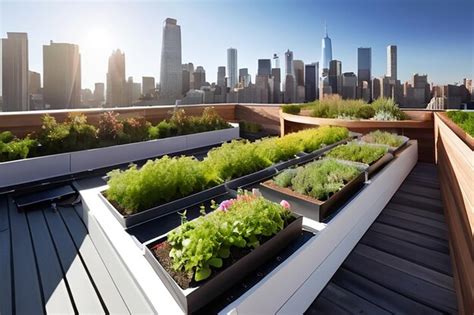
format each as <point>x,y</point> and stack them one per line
<point>433,36</point>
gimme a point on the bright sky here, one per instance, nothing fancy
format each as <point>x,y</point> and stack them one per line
<point>433,36</point>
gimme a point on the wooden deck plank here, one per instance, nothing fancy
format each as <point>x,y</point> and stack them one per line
<point>406,266</point>
<point>56,296</point>
<point>421,191</point>
<point>412,226</point>
<point>416,218</point>
<point>421,202</point>
<point>99,273</point>
<point>412,237</point>
<point>381,296</point>
<point>349,301</point>
<point>417,254</point>
<point>323,306</point>
<point>6,306</point>
<point>83,291</point>
<point>403,283</point>
<point>413,210</point>
<point>27,290</point>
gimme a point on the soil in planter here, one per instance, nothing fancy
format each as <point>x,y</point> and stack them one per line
<point>186,280</point>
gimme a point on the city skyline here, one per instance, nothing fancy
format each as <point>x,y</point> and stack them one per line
<point>143,55</point>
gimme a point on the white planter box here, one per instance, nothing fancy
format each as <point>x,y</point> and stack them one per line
<point>39,168</point>
<point>33,169</point>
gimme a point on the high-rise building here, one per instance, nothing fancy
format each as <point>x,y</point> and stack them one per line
<point>262,89</point>
<point>116,80</point>
<point>311,77</point>
<point>132,91</point>
<point>99,92</point>
<point>199,77</point>
<point>326,53</point>
<point>171,74</point>
<point>290,89</point>
<point>244,77</point>
<point>364,69</point>
<point>190,68</point>
<point>349,85</point>
<point>298,70</point>
<point>61,75</point>
<point>148,85</point>
<point>221,76</point>
<point>264,67</point>
<point>34,82</point>
<point>15,72</point>
<point>187,81</point>
<point>232,67</point>
<point>289,63</point>
<point>335,76</point>
<point>376,88</point>
<point>276,74</point>
<point>392,62</point>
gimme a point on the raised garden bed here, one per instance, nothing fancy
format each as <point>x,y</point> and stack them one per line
<point>130,219</point>
<point>318,208</point>
<point>187,288</point>
<point>393,141</point>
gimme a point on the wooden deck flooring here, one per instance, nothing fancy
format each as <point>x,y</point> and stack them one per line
<point>49,264</point>
<point>402,263</point>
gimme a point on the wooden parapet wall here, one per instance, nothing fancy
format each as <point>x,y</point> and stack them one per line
<point>23,123</point>
<point>455,159</point>
<point>419,127</point>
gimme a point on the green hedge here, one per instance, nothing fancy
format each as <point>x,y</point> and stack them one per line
<point>465,120</point>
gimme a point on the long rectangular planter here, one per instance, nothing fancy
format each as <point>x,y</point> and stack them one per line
<point>192,299</point>
<point>392,150</point>
<point>313,208</point>
<point>44,167</point>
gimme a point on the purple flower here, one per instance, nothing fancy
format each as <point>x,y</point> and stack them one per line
<point>224,205</point>
<point>285,204</point>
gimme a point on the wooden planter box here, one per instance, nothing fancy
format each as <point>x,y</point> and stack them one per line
<point>393,150</point>
<point>313,208</point>
<point>192,299</point>
<point>40,168</point>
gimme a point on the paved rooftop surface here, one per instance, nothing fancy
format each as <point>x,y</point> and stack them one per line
<point>402,263</point>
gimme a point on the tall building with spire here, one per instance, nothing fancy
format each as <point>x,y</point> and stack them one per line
<point>171,74</point>
<point>326,53</point>
<point>289,63</point>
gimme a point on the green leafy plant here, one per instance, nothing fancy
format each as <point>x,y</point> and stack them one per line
<point>110,127</point>
<point>201,246</point>
<point>358,152</point>
<point>465,120</point>
<point>284,178</point>
<point>250,127</point>
<point>135,129</point>
<point>6,136</point>
<point>17,149</point>
<point>294,109</point>
<point>323,178</point>
<point>365,112</point>
<point>383,137</point>
<point>387,109</point>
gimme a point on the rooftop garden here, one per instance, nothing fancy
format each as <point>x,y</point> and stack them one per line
<point>335,107</point>
<point>358,152</point>
<point>167,179</point>
<point>75,133</point>
<point>465,120</point>
<point>383,137</point>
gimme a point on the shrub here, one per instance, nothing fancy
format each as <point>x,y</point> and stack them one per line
<point>110,128</point>
<point>323,178</point>
<point>17,149</point>
<point>383,137</point>
<point>201,245</point>
<point>465,120</point>
<point>294,109</point>
<point>284,178</point>
<point>358,152</point>
<point>314,139</point>
<point>135,129</point>
<point>210,120</point>
<point>250,127</point>
<point>157,182</point>
<point>387,109</point>
<point>365,112</point>
<point>6,136</point>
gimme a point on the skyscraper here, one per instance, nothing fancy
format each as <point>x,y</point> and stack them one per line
<point>244,77</point>
<point>392,62</point>
<point>232,67</point>
<point>276,74</point>
<point>199,77</point>
<point>15,72</point>
<point>171,74</point>
<point>289,63</point>
<point>99,89</point>
<point>34,82</point>
<point>116,80</point>
<point>311,77</point>
<point>221,76</point>
<point>349,85</point>
<point>148,85</point>
<point>298,70</point>
<point>326,53</point>
<point>264,67</point>
<point>335,76</point>
<point>364,66</point>
<point>61,75</point>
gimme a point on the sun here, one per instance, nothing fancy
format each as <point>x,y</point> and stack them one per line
<point>97,43</point>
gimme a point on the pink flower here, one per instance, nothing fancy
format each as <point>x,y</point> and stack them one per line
<point>285,204</point>
<point>224,205</point>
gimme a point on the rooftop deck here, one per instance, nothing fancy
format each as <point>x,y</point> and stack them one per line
<point>402,263</point>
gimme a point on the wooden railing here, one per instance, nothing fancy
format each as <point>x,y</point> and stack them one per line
<point>455,159</point>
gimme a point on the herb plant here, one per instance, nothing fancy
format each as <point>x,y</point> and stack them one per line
<point>201,246</point>
<point>383,137</point>
<point>465,120</point>
<point>358,152</point>
<point>294,109</point>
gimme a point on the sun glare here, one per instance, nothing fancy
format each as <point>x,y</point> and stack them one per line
<point>97,43</point>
